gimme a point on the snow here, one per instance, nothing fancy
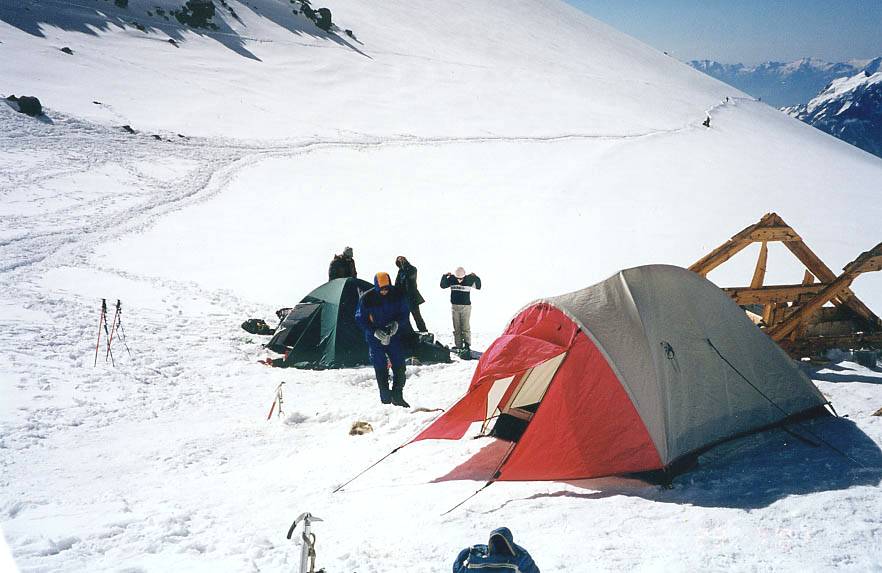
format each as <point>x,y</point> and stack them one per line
<point>839,89</point>
<point>522,140</point>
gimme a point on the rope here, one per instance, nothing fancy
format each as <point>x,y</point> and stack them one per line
<point>786,414</point>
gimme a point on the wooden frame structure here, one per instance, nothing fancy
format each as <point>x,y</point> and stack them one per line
<point>795,315</point>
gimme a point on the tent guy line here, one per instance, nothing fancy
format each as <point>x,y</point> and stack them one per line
<point>787,414</point>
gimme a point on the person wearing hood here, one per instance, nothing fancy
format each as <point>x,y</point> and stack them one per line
<point>382,314</point>
<point>406,281</point>
<point>342,266</point>
<point>501,553</point>
<point>461,285</point>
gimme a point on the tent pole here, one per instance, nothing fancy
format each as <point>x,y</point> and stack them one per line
<point>496,474</point>
<point>483,487</point>
<point>365,470</point>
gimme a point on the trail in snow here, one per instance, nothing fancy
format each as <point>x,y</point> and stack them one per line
<point>139,197</point>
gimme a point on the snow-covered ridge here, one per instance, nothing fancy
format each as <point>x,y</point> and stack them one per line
<point>849,108</point>
<point>520,139</point>
<point>457,68</point>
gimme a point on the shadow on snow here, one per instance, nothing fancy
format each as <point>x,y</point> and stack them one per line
<point>758,470</point>
<point>32,16</point>
<point>747,473</point>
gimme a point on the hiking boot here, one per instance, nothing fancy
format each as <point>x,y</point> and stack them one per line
<point>385,393</point>
<point>398,398</point>
<point>398,377</point>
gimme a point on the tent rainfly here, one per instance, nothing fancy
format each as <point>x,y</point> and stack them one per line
<point>630,375</point>
<point>320,332</point>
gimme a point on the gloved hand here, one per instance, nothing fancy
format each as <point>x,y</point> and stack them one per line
<point>392,328</point>
<point>382,336</point>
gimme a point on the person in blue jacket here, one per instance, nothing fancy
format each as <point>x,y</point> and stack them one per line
<point>383,315</point>
<point>500,554</point>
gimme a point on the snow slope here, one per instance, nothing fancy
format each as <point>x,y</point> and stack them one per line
<point>523,140</point>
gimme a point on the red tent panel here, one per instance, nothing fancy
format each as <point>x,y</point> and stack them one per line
<point>539,333</point>
<point>586,426</point>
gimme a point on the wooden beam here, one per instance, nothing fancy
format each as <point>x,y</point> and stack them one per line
<point>789,324</point>
<point>816,343</point>
<point>813,263</point>
<point>718,256</point>
<point>830,291</point>
<point>731,247</point>
<point>759,273</point>
<point>777,233</point>
<point>772,293</point>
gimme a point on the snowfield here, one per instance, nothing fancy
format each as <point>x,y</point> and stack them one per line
<point>520,139</point>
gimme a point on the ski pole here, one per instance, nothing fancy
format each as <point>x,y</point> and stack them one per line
<point>122,331</point>
<point>112,330</point>
<point>100,323</point>
<point>107,333</point>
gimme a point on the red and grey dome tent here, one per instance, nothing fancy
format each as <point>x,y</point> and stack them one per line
<point>629,375</point>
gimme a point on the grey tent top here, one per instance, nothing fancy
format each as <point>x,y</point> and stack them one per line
<point>660,328</point>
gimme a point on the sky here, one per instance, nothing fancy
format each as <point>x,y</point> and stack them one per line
<point>749,31</point>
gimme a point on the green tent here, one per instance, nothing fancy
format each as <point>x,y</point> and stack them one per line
<point>321,332</point>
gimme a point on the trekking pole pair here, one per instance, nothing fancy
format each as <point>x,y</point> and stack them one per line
<point>110,332</point>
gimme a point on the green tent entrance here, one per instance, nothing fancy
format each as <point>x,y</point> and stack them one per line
<point>320,332</point>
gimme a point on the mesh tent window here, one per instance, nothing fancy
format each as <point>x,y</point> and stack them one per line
<point>512,401</point>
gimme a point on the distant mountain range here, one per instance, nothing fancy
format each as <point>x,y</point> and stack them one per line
<point>777,83</point>
<point>843,99</point>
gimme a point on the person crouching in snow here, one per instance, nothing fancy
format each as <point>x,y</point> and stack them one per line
<point>382,314</point>
<point>500,554</point>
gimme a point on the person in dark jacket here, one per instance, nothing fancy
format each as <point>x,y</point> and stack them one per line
<point>342,266</point>
<point>500,554</point>
<point>382,314</point>
<point>406,281</point>
<point>460,285</point>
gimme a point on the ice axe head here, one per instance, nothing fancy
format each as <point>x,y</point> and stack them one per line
<point>307,518</point>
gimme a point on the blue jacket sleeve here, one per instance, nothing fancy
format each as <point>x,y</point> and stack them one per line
<point>445,280</point>
<point>477,281</point>
<point>403,313</point>
<point>361,317</point>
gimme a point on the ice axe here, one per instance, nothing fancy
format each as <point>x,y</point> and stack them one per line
<point>307,550</point>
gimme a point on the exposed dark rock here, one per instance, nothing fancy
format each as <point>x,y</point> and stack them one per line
<point>324,19</point>
<point>351,34</point>
<point>27,105</point>
<point>121,3</point>
<point>197,13</point>
<point>157,137</point>
<point>173,43</point>
<point>128,129</point>
<point>67,51</point>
